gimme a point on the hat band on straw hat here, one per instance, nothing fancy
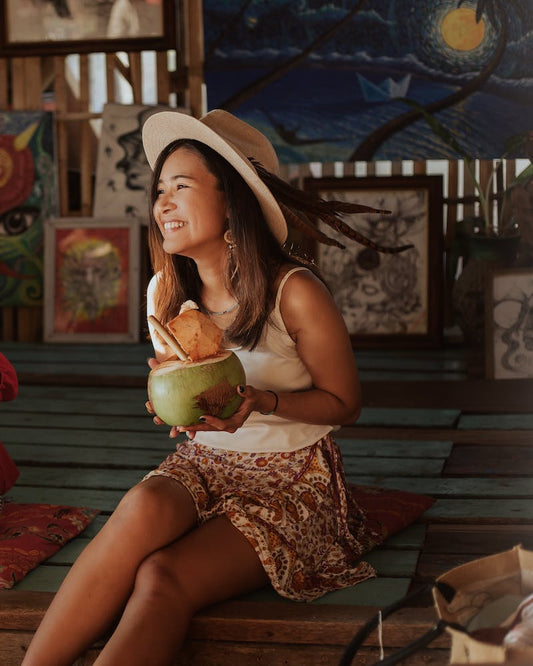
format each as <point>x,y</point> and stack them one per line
<point>231,138</point>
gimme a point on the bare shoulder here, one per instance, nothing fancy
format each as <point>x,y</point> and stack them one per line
<point>304,299</point>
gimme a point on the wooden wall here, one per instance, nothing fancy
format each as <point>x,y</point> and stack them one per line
<point>31,83</point>
<point>26,82</point>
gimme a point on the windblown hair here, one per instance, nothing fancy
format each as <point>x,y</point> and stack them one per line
<point>257,257</point>
<point>252,265</point>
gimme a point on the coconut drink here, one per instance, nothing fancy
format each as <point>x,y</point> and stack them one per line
<point>203,379</point>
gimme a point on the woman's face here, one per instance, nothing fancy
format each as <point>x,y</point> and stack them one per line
<point>190,209</point>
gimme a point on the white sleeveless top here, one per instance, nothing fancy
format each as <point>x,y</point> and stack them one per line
<point>274,364</point>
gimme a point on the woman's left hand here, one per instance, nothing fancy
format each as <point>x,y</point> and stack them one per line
<point>254,399</point>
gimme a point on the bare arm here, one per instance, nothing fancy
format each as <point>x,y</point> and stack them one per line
<point>322,341</point>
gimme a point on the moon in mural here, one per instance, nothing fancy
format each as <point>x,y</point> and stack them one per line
<point>460,30</point>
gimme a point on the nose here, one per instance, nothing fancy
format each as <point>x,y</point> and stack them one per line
<point>165,202</point>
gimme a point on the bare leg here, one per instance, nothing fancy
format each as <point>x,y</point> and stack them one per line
<point>150,516</point>
<point>211,563</point>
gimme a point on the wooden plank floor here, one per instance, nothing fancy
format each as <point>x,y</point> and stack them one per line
<point>80,435</point>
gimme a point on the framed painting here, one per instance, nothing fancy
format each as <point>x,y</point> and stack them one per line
<point>122,170</point>
<point>509,324</point>
<point>91,281</point>
<point>38,27</point>
<point>28,196</point>
<point>387,299</point>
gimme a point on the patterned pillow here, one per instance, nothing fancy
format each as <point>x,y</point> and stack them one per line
<point>388,511</point>
<point>31,533</point>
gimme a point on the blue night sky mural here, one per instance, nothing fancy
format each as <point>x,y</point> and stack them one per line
<point>326,80</point>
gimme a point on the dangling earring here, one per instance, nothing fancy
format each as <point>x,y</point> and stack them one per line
<point>229,240</point>
<point>231,247</point>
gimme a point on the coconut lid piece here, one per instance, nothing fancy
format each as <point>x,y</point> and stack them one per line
<point>196,333</point>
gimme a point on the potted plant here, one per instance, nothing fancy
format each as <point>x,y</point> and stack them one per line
<point>499,236</point>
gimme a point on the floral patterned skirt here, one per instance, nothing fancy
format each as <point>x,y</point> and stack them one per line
<point>293,507</point>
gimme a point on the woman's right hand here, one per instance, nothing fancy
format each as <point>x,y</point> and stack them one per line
<point>153,363</point>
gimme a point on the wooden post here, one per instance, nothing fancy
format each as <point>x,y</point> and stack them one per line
<point>195,56</point>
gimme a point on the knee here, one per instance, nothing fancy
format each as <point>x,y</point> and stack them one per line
<point>142,505</point>
<point>158,580</point>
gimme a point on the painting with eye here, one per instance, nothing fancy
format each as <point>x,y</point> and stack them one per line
<point>509,324</point>
<point>92,270</point>
<point>386,298</point>
<point>27,197</point>
<point>122,171</point>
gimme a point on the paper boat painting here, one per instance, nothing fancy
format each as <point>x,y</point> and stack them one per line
<point>385,91</point>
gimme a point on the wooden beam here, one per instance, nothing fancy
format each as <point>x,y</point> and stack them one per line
<point>195,56</point>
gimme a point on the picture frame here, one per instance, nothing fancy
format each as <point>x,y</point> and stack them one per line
<point>509,324</point>
<point>123,175</point>
<point>387,300</point>
<point>28,196</point>
<point>91,280</point>
<point>86,26</point>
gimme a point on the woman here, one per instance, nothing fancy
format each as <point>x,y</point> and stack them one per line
<point>259,497</point>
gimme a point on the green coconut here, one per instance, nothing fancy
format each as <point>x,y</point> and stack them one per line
<point>182,391</point>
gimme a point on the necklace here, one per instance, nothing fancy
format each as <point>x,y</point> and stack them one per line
<point>222,312</point>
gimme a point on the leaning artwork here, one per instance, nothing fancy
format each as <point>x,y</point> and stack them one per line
<point>122,171</point>
<point>509,324</point>
<point>91,280</point>
<point>27,197</point>
<point>387,299</point>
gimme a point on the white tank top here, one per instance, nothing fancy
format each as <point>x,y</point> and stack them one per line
<point>274,364</point>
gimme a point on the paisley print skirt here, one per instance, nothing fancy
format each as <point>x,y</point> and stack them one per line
<point>293,507</point>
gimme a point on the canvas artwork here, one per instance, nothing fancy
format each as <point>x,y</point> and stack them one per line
<point>43,22</point>
<point>122,171</point>
<point>509,325</point>
<point>28,196</point>
<point>92,280</point>
<point>336,81</point>
<point>386,298</point>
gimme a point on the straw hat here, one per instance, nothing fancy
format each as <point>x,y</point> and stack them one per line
<point>232,138</point>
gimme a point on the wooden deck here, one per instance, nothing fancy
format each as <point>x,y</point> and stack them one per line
<point>79,433</point>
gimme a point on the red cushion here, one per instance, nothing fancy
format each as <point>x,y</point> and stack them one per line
<point>9,384</point>
<point>9,472</point>
<point>388,511</point>
<point>31,533</point>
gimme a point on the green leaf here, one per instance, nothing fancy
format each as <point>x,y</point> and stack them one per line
<point>438,128</point>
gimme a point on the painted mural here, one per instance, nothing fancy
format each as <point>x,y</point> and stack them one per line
<point>27,197</point>
<point>349,80</point>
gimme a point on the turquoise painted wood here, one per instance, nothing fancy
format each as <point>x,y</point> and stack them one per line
<point>374,592</point>
<point>81,421</point>
<point>498,421</point>
<point>392,448</point>
<point>388,466</point>
<point>24,454</point>
<point>411,417</point>
<point>504,510</point>
<point>471,487</point>
<point>79,438</point>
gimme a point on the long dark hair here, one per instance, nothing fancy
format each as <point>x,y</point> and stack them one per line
<point>252,264</point>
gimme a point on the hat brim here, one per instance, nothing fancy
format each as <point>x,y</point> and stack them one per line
<point>164,127</point>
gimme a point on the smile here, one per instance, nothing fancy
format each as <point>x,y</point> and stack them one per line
<point>170,226</point>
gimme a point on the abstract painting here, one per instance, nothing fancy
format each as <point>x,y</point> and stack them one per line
<point>28,195</point>
<point>91,280</point>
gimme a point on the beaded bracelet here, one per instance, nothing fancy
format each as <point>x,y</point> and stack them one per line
<point>275,404</point>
